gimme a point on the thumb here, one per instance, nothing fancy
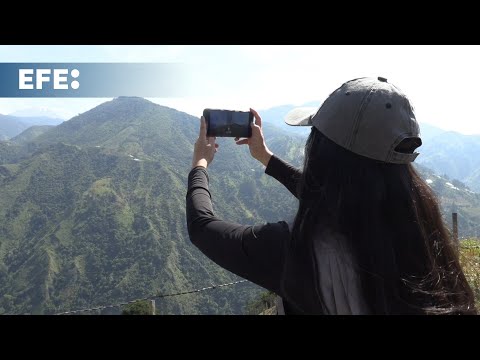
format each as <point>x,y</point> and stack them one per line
<point>258,119</point>
<point>203,128</point>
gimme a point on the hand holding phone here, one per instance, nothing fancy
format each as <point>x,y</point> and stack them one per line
<point>228,123</point>
<point>256,143</point>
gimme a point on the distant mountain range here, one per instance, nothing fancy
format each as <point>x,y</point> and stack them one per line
<point>446,152</point>
<point>36,112</point>
<point>11,126</point>
<point>455,155</point>
<point>276,115</point>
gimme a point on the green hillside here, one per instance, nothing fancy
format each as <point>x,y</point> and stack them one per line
<point>31,133</point>
<point>9,152</point>
<point>95,214</point>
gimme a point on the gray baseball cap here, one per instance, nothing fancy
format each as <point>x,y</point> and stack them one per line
<point>367,116</point>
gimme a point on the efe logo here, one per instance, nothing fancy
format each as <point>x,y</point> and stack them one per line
<point>29,79</point>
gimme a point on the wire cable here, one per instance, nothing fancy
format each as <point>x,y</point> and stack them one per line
<point>158,296</point>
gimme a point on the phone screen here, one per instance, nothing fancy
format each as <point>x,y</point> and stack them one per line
<point>226,123</point>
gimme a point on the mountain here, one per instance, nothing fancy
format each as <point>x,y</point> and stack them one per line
<point>11,126</point>
<point>455,155</point>
<point>428,132</point>
<point>37,113</point>
<point>31,133</point>
<point>455,196</point>
<point>473,180</point>
<point>11,152</point>
<point>92,211</point>
<point>446,152</point>
<point>39,120</point>
<point>276,115</point>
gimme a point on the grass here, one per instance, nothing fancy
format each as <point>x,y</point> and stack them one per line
<point>470,260</point>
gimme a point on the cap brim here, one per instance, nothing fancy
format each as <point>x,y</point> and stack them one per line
<point>301,116</point>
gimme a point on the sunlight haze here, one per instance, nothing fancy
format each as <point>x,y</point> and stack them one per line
<point>440,81</point>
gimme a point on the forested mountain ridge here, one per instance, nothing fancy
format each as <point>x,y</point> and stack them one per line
<point>93,212</point>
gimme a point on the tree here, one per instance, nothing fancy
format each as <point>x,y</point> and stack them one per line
<point>261,303</point>
<point>138,308</point>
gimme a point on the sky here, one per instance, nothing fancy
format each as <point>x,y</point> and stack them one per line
<point>440,81</point>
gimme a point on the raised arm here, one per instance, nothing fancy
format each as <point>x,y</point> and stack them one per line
<point>252,252</point>
<point>279,169</point>
<point>285,173</point>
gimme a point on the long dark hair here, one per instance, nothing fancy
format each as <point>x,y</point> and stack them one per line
<point>407,261</point>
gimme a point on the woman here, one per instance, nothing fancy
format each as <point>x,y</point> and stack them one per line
<point>368,236</point>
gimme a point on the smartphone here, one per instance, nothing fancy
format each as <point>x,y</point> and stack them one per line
<point>228,123</point>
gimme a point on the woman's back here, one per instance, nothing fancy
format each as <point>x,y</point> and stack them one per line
<point>338,274</point>
<point>375,228</point>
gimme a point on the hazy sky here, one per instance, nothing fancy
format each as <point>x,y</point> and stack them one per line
<point>441,81</point>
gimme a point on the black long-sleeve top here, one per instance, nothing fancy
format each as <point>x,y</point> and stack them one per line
<point>254,252</point>
<point>319,277</point>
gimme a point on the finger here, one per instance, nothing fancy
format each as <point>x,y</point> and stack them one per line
<point>216,146</point>
<point>258,119</point>
<point>242,142</point>
<point>203,128</point>
<point>256,130</point>
<point>237,138</point>
<point>211,140</point>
